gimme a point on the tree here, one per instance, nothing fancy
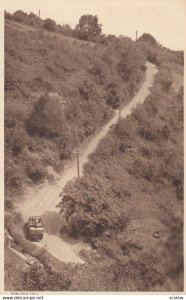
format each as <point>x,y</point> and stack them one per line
<point>112,97</point>
<point>88,27</point>
<point>48,119</point>
<point>146,37</point>
<point>65,29</point>
<point>19,16</point>
<point>165,78</point>
<point>34,20</point>
<point>49,24</point>
<point>7,15</point>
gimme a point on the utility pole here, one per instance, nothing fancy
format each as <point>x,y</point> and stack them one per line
<point>39,13</point>
<point>136,35</point>
<point>77,151</point>
<point>119,107</point>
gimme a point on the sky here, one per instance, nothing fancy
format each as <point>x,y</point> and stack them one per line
<point>164,19</point>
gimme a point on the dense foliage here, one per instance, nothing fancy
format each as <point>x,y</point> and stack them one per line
<point>53,89</point>
<point>88,27</point>
<point>158,54</point>
<point>135,175</point>
<point>102,190</point>
<point>49,24</point>
<point>59,91</point>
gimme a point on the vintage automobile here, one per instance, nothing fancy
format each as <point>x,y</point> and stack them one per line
<point>35,228</point>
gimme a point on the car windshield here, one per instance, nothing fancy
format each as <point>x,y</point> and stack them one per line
<point>35,222</point>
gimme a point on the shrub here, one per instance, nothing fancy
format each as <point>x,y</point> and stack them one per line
<point>49,24</point>
<point>86,89</point>
<point>14,178</point>
<point>148,38</point>
<point>36,172</point>
<point>89,210</point>
<point>34,20</point>
<point>98,72</point>
<point>65,29</point>
<point>165,78</point>
<point>142,169</point>
<point>38,279</point>
<point>8,16</point>
<point>130,66</point>
<point>19,16</point>
<point>47,119</point>
<point>112,96</point>
<point>146,152</point>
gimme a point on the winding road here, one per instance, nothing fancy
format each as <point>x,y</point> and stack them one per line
<point>42,200</point>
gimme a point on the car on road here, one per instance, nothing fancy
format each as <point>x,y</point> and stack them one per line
<point>35,228</point>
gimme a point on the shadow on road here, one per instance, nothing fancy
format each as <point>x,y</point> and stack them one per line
<point>52,222</point>
<point>55,224</point>
<point>25,230</point>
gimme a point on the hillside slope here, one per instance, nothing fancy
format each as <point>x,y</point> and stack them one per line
<point>58,91</point>
<point>43,200</point>
<point>128,205</point>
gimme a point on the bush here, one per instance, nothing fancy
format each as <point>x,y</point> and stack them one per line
<point>86,89</point>
<point>131,66</point>
<point>146,37</point>
<point>89,210</point>
<point>36,172</point>
<point>112,96</point>
<point>98,72</point>
<point>165,78</point>
<point>8,16</point>
<point>142,169</point>
<point>65,29</point>
<point>47,119</point>
<point>14,178</point>
<point>39,279</point>
<point>49,24</point>
<point>19,16</point>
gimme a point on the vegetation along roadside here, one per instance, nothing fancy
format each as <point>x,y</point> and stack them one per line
<point>129,204</point>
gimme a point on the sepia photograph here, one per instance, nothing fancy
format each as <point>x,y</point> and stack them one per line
<point>93,146</point>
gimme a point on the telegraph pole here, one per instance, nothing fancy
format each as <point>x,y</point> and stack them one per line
<point>77,151</point>
<point>136,35</point>
<point>39,13</point>
<point>120,107</point>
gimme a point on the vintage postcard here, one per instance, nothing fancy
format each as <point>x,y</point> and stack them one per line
<point>92,128</point>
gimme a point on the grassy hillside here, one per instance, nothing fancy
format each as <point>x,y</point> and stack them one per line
<point>58,91</point>
<point>128,206</point>
<point>129,203</point>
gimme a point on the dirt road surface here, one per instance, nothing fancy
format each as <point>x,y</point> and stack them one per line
<point>42,200</point>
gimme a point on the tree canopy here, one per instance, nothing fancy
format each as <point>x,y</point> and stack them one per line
<point>49,24</point>
<point>88,27</point>
<point>146,37</point>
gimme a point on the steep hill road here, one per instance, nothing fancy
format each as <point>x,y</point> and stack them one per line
<point>43,200</point>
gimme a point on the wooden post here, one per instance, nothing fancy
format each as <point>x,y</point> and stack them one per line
<point>78,162</point>
<point>119,107</point>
